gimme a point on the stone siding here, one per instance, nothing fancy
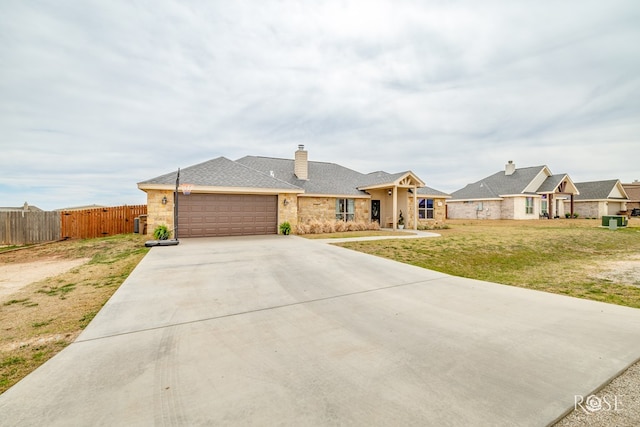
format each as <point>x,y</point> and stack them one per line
<point>157,213</point>
<point>491,209</point>
<point>289,212</point>
<point>324,209</point>
<point>439,212</point>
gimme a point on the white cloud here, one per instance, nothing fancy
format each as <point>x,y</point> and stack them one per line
<point>96,96</point>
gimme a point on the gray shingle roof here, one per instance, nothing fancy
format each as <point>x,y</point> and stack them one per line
<point>269,172</point>
<point>324,178</point>
<point>222,172</point>
<point>595,190</point>
<point>498,184</point>
<point>551,183</point>
<point>379,178</point>
<point>428,191</point>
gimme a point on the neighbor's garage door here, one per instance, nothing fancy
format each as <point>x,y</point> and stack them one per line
<point>212,215</point>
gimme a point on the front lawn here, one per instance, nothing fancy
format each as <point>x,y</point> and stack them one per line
<point>570,257</point>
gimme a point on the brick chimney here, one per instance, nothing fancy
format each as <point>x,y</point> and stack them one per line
<point>301,167</point>
<point>510,168</point>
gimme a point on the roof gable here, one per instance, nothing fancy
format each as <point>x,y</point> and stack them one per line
<point>558,184</point>
<point>383,179</point>
<point>601,190</point>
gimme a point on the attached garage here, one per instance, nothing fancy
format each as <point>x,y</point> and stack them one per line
<point>214,215</point>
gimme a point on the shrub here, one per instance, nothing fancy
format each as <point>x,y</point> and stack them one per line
<point>285,228</point>
<point>335,226</point>
<point>435,226</point>
<point>303,229</point>
<point>161,232</point>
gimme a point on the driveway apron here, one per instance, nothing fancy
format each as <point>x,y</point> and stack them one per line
<point>283,330</point>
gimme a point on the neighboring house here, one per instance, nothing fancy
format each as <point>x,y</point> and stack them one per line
<point>252,195</point>
<point>633,192</point>
<point>525,193</point>
<point>24,208</point>
<point>599,198</point>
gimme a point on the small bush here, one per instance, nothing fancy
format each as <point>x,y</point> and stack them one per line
<point>161,232</point>
<point>285,228</point>
<point>434,226</point>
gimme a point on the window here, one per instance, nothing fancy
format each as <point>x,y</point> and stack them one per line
<point>345,209</point>
<point>425,208</point>
<point>529,205</point>
<point>545,206</point>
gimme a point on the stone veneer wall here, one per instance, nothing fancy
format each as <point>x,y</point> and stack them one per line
<point>584,209</point>
<point>324,209</point>
<point>157,213</point>
<point>288,212</point>
<point>491,209</point>
<point>439,212</point>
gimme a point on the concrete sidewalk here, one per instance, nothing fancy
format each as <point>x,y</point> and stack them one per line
<point>283,330</point>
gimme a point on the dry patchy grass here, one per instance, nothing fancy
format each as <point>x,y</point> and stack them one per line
<point>571,257</point>
<point>44,317</point>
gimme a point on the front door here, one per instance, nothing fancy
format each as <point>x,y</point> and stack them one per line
<point>375,211</point>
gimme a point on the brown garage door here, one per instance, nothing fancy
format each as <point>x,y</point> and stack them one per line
<point>211,215</point>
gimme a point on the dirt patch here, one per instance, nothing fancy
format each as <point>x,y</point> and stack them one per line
<point>625,272</point>
<point>14,277</point>
<point>40,341</point>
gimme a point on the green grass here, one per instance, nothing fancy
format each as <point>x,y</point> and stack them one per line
<point>41,319</point>
<point>563,259</point>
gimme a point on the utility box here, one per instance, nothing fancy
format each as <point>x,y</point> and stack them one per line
<point>613,224</point>
<point>621,220</point>
<point>142,224</point>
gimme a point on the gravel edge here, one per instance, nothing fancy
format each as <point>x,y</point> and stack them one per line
<point>616,404</point>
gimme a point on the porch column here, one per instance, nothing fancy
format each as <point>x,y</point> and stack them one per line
<point>415,207</point>
<point>395,208</point>
<point>571,205</point>
<point>551,210</point>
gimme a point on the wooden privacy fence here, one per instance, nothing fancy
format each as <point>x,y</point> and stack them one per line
<point>100,222</point>
<point>21,228</point>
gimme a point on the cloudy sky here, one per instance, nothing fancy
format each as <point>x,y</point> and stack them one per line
<point>96,96</point>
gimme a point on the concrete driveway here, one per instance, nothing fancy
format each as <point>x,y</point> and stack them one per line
<point>280,330</point>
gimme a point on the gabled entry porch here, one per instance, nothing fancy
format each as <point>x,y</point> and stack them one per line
<point>554,195</point>
<point>390,196</point>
